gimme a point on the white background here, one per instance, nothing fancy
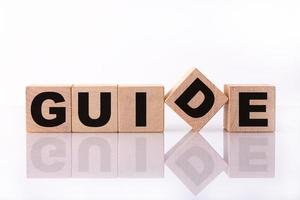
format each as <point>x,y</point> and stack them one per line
<point>126,41</point>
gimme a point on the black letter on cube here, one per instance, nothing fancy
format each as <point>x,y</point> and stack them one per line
<point>36,109</point>
<point>189,93</point>
<point>140,109</point>
<point>245,108</point>
<point>83,109</point>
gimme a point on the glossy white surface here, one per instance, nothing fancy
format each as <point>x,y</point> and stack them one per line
<point>142,42</point>
<point>286,183</point>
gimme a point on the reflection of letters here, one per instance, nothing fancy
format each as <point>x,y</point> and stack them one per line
<point>194,162</point>
<point>247,157</point>
<point>58,150</point>
<point>94,155</point>
<point>102,146</point>
<point>141,155</point>
<point>202,158</point>
<point>250,155</point>
<point>49,155</point>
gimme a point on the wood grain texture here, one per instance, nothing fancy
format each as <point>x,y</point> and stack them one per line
<point>94,111</point>
<point>231,111</point>
<point>32,92</point>
<point>154,108</point>
<point>196,123</point>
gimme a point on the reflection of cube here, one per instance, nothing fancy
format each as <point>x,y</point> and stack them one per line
<point>94,108</point>
<point>141,155</point>
<point>250,108</point>
<point>48,155</point>
<point>94,155</point>
<point>141,108</point>
<point>48,108</point>
<point>195,99</point>
<point>194,162</point>
<point>250,155</point>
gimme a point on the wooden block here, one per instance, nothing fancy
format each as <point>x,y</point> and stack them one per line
<point>48,109</point>
<point>194,162</point>
<point>141,108</point>
<point>250,108</point>
<point>48,155</point>
<point>195,99</point>
<point>94,155</point>
<point>250,155</point>
<point>141,155</point>
<point>94,108</point>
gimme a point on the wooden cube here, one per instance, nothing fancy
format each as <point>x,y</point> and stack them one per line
<point>94,108</point>
<point>194,162</point>
<point>250,155</point>
<point>250,108</point>
<point>141,108</point>
<point>195,99</point>
<point>48,109</point>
